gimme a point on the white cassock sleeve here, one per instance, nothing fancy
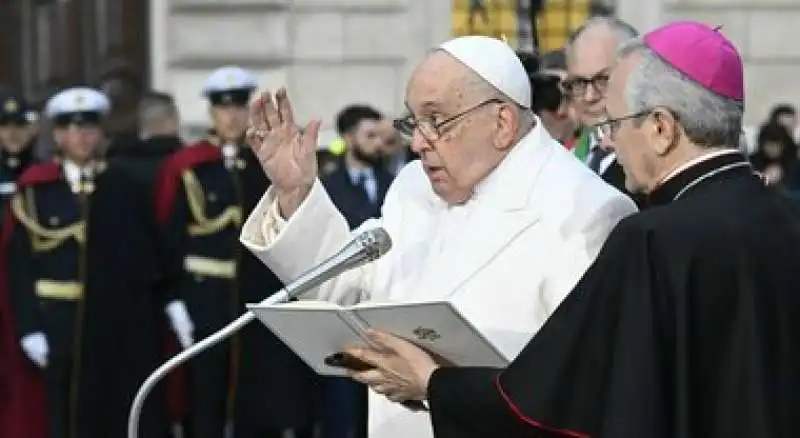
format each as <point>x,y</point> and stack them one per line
<point>579,251</point>
<point>312,234</point>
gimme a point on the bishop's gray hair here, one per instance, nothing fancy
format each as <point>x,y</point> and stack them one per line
<point>708,119</point>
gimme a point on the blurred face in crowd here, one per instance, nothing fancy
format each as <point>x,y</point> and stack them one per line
<point>165,127</point>
<point>789,121</point>
<point>589,60</point>
<point>15,136</point>
<point>230,121</point>
<point>459,127</point>
<point>561,123</point>
<point>78,141</point>
<point>391,141</point>
<point>365,142</point>
<point>772,150</point>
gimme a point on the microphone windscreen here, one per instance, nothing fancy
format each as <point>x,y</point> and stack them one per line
<point>377,242</point>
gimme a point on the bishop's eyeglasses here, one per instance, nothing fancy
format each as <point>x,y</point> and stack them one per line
<point>609,127</point>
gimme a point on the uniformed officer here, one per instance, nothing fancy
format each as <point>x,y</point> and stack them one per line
<point>254,383</point>
<point>17,136</point>
<point>81,275</point>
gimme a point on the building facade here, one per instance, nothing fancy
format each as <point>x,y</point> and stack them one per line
<point>329,53</point>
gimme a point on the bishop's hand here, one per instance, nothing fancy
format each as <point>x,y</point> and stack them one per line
<point>287,155</point>
<point>401,369</point>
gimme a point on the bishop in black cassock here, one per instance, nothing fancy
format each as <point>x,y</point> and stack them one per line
<point>687,324</point>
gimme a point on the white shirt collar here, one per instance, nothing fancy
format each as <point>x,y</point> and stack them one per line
<point>73,172</point>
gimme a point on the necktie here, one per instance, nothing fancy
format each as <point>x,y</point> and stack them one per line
<point>596,158</point>
<point>367,182</point>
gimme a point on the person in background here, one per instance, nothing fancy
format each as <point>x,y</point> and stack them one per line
<point>776,158</point>
<point>555,63</point>
<point>590,55</point>
<point>123,85</point>
<point>396,149</point>
<point>329,156</point>
<point>159,136</point>
<point>327,162</point>
<point>252,385</point>
<point>357,189</point>
<point>17,139</point>
<point>80,272</point>
<point>785,115</point>
<point>549,100</point>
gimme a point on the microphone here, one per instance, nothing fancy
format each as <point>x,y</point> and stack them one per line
<point>364,248</point>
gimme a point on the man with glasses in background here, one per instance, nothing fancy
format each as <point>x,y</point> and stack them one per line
<point>496,216</point>
<point>590,55</point>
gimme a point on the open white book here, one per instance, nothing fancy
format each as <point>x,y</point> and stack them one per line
<point>318,329</point>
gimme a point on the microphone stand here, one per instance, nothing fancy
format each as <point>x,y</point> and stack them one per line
<point>366,247</point>
<point>281,296</point>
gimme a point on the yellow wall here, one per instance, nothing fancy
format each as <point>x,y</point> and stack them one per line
<point>555,23</point>
<point>502,22</point>
<point>558,20</point>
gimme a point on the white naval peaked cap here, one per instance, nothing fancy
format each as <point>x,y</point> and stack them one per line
<point>229,78</point>
<point>496,62</point>
<point>77,100</point>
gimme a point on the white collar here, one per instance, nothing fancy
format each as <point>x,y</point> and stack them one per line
<point>696,161</point>
<point>73,173</point>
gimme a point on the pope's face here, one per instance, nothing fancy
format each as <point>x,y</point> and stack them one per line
<point>460,153</point>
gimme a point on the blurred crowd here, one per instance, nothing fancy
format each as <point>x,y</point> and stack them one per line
<point>194,196</point>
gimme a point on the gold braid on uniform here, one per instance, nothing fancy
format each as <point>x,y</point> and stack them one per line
<point>44,239</point>
<point>204,226</point>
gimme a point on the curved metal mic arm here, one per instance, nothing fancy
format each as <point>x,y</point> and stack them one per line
<point>366,247</point>
<point>148,385</point>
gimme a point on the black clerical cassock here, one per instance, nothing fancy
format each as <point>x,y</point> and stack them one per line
<point>687,325</point>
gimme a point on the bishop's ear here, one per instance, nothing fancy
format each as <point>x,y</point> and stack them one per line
<point>664,131</point>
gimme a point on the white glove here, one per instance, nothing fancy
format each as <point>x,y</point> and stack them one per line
<point>181,323</point>
<point>35,347</point>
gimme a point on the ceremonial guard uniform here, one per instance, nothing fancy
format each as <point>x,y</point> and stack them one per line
<point>16,142</point>
<point>80,268</point>
<point>253,382</point>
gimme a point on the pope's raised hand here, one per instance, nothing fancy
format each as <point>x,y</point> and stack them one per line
<point>287,154</point>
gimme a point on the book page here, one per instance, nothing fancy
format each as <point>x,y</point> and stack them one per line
<point>313,333</point>
<point>437,327</point>
<point>305,304</point>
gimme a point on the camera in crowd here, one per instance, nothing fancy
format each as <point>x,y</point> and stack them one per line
<point>547,74</point>
<point>548,94</point>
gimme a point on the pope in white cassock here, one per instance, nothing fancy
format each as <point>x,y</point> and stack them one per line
<point>496,216</point>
